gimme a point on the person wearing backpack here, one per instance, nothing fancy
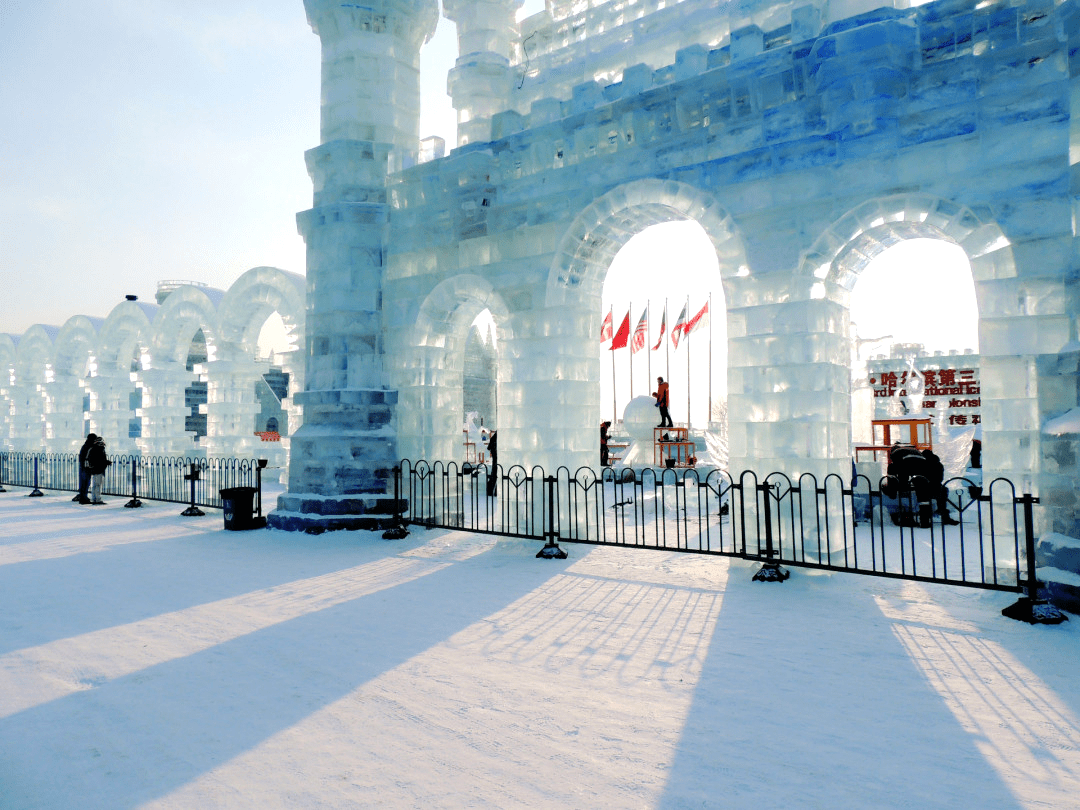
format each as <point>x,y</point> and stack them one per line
<point>97,463</point>
<point>84,469</point>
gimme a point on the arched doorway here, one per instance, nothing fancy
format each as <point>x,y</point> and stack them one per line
<point>574,308</point>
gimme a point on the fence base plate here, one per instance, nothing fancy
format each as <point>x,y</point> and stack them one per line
<point>192,511</point>
<point>1034,611</point>
<point>551,552</point>
<point>396,533</point>
<point>37,493</point>
<point>771,572</point>
<point>134,503</point>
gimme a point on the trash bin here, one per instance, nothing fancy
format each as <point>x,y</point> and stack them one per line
<point>238,503</point>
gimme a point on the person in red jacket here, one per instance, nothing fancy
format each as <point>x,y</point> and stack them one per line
<point>661,394</point>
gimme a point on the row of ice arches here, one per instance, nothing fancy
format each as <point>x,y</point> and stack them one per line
<point>780,326</point>
<point>57,383</point>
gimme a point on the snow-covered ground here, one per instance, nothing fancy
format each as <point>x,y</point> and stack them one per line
<point>149,660</point>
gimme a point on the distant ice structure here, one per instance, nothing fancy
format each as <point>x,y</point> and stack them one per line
<point>134,368</point>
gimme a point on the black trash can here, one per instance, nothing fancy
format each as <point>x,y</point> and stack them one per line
<point>238,504</point>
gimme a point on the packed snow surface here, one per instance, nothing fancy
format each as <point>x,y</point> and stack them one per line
<point>149,660</point>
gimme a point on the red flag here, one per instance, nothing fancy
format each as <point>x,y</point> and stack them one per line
<point>638,343</point>
<point>605,328</point>
<point>698,321</point>
<point>663,325</point>
<point>619,341</point>
<point>680,325</point>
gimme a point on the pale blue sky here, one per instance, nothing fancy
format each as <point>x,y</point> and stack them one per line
<point>155,139</point>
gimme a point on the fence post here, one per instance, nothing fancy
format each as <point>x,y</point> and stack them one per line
<point>37,493</point>
<point>551,550</point>
<point>192,476</point>
<point>1030,608</point>
<point>398,530</point>
<point>134,503</point>
<point>3,458</point>
<point>770,571</point>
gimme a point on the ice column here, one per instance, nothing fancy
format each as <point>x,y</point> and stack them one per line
<point>369,125</point>
<point>553,413</point>
<point>164,411</point>
<point>27,409</point>
<point>479,83</point>
<point>63,415</point>
<point>110,409</point>
<point>232,407</point>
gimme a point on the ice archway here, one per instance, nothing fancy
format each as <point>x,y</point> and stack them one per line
<point>46,373</point>
<point>569,379</point>
<point>1008,332</point>
<point>430,369</point>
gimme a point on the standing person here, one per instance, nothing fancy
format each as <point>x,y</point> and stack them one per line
<point>661,394</point>
<point>493,473</point>
<point>84,469</point>
<point>603,443</point>
<point>98,463</point>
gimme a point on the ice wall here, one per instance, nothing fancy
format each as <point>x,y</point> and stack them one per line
<point>804,149</point>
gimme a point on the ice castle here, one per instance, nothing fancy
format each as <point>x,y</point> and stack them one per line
<point>804,138</point>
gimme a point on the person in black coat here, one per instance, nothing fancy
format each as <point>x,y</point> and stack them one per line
<point>935,485</point>
<point>84,470</point>
<point>493,473</point>
<point>97,463</point>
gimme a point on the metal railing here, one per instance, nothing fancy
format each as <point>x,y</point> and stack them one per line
<point>177,479</point>
<point>832,524</point>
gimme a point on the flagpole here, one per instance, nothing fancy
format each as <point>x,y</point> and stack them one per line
<point>667,350</point>
<point>631,353</point>
<point>709,415</point>
<point>683,338</point>
<point>614,408</point>
<point>648,343</point>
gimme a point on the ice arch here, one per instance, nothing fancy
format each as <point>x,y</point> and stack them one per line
<point>33,369</point>
<point>186,310</point>
<point>74,352</point>
<point>431,367</point>
<point>600,230</point>
<point>232,404</point>
<point>562,373</point>
<point>124,341</point>
<point>1009,329</point>
<point>166,379</point>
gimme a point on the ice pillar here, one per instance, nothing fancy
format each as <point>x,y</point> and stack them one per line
<point>165,411</point>
<point>347,447</point>
<point>110,409</point>
<point>64,415</point>
<point>479,83</point>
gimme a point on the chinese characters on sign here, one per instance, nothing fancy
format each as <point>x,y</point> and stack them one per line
<point>955,390</point>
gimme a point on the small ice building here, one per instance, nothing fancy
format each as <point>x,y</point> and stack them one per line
<point>805,138</point>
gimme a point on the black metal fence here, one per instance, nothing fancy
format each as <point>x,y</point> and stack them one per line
<point>986,541</point>
<point>178,479</point>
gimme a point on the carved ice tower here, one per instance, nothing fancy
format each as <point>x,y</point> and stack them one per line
<point>343,456</point>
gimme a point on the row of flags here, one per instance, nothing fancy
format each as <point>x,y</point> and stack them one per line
<point>683,328</point>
